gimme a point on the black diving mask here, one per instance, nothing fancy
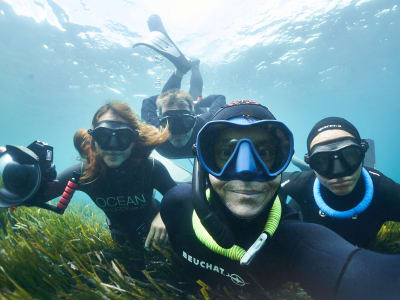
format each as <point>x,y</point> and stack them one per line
<point>179,121</point>
<point>113,135</point>
<point>337,159</point>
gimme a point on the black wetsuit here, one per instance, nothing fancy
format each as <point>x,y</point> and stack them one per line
<point>360,231</point>
<point>125,194</point>
<point>212,102</point>
<point>149,114</point>
<point>326,266</point>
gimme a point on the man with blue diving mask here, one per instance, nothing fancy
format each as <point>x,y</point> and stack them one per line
<point>230,228</point>
<point>340,193</point>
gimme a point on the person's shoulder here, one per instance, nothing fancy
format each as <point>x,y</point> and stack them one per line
<point>156,164</point>
<point>296,178</point>
<point>178,195</point>
<point>374,173</point>
<point>383,185</point>
<point>214,96</point>
<point>289,213</point>
<point>177,200</point>
<point>201,120</point>
<point>155,167</point>
<point>379,180</point>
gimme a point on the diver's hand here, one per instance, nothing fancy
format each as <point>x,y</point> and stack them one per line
<point>2,149</point>
<point>157,234</point>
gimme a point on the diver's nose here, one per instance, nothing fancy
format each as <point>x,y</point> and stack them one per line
<point>113,143</point>
<point>338,168</point>
<point>246,166</point>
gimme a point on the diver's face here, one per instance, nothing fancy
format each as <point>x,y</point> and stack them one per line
<point>178,140</point>
<point>343,185</point>
<point>113,158</point>
<point>245,199</point>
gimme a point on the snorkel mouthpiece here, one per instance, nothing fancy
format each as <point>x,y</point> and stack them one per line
<point>253,250</point>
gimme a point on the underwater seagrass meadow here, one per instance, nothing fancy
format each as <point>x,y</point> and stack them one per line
<point>62,59</point>
<point>47,256</point>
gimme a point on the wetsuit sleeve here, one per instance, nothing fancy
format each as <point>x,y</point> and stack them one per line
<point>174,82</point>
<point>163,182</point>
<point>173,206</point>
<point>214,102</point>
<point>148,111</point>
<point>56,187</point>
<point>296,184</point>
<point>391,198</point>
<point>328,267</point>
<point>370,275</point>
<point>291,183</point>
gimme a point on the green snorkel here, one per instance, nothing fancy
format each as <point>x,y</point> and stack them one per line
<point>236,252</point>
<point>261,160</point>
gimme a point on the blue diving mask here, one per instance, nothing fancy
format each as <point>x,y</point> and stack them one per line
<point>245,149</point>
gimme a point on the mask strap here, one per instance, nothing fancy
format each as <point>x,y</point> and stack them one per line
<point>236,252</point>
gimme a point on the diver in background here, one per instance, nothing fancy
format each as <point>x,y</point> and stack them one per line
<point>178,118</point>
<point>159,41</point>
<point>340,193</point>
<point>177,110</point>
<point>230,228</point>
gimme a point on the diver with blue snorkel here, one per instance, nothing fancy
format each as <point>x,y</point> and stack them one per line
<point>340,192</point>
<point>230,228</point>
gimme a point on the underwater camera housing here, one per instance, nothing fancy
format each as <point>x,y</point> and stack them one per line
<point>23,171</point>
<point>45,154</point>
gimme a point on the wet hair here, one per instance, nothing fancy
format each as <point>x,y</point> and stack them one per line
<point>149,138</point>
<point>174,97</point>
<point>82,143</point>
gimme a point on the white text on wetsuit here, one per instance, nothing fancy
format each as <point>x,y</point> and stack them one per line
<point>236,279</point>
<point>121,202</point>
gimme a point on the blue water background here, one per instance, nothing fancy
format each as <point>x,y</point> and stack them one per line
<point>345,63</point>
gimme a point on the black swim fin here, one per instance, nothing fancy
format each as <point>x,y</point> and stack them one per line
<point>159,40</point>
<point>155,24</point>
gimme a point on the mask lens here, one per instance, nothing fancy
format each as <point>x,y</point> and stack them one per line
<point>188,122</point>
<point>102,136</point>
<point>352,155</point>
<point>218,144</point>
<point>223,152</point>
<point>114,139</point>
<point>278,147</point>
<point>179,124</point>
<point>125,137</point>
<point>323,163</point>
<point>320,162</point>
